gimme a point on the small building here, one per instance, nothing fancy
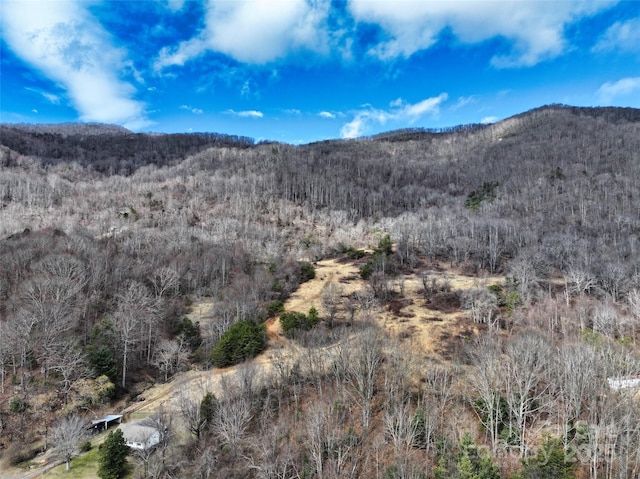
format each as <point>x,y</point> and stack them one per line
<point>104,423</point>
<point>140,436</point>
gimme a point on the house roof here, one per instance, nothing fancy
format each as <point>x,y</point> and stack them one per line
<point>107,418</point>
<point>136,432</point>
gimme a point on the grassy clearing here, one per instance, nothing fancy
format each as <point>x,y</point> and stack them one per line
<point>84,466</point>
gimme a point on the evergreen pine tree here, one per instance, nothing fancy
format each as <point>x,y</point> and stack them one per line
<point>208,409</point>
<point>113,456</point>
<point>466,470</point>
<point>550,463</point>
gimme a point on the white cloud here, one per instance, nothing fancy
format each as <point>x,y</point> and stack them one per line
<point>67,44</point>
<point>293,112</point>
<point>326,114</point>
<point>179,56</point>
<point>354,128</point>
<point>415,111</point>
<point>399,111</point>
<point>255,31</point>
<point>489,119</point>
<point>196,111</point>
<point>623,36</point>
<point>246,113</point>
<point>50,97</point>
<point>34,111</point>
<point>262,31</point>
<point>463,101</point>
<point>535,29</point>
<point>612,92</point>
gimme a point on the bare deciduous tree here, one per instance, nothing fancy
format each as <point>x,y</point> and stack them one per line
<point>578,281</point>
<point>367,303</point>
<point>528,356</point>
<point>332,300</point>
<point>20,328</point>
<point>487,383</point>
<point>66,435</point>
<point>270,459</point>
<point>606,320</point>
<point>523,271</point>
<point>633,300</point>
<point>330,448</point>
<point>70,362</point>
<point>191,410</point>
<point>165,282</point>
<point>232,420</point>
<point>578,379</point>
<point>49,301</point>
<point>399,426</point>
<point>6,348</point>
<point>171,356</point>
<point>365,359</point>
<point>482,305</point>
<point>439,382</point>
<point>136,309</point>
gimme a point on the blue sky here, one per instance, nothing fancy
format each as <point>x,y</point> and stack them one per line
<point>306,70</point>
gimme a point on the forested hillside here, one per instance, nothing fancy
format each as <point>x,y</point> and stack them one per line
<point>109,239</point>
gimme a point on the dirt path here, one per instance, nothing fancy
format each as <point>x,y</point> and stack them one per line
<point>197,383</point>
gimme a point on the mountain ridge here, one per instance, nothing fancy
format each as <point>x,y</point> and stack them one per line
<point>608,114</point>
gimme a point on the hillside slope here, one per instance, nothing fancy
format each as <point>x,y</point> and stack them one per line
<point>485,287</point>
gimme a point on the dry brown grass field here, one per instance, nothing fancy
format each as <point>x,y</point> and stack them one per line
<point>427,332</point>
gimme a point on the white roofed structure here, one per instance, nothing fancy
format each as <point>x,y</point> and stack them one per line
<point>139,436</point>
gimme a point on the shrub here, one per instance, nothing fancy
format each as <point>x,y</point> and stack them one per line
<point>85,446</point>
<point>353,253</point>
<point>366,271</point>
<point>385,246</point>
<point>381,259</point>
<point>551,462</point>
<point>486,193</point>
<point>243,340</point>
<point>275,307</point>
<point>307,271</point>
<point>190,332</point>
<point>18,405</point>
<point>294,321</point>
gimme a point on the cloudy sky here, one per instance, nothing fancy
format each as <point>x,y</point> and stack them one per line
<point>307,70</point>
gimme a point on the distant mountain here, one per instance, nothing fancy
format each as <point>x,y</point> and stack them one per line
<point>69,129</point>
<point>108,148</point>
<point>543,131</point>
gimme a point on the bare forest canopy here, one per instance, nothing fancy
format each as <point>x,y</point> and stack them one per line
<point>564,179</point>
<point>109,237</point>
<point>108,149</point>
